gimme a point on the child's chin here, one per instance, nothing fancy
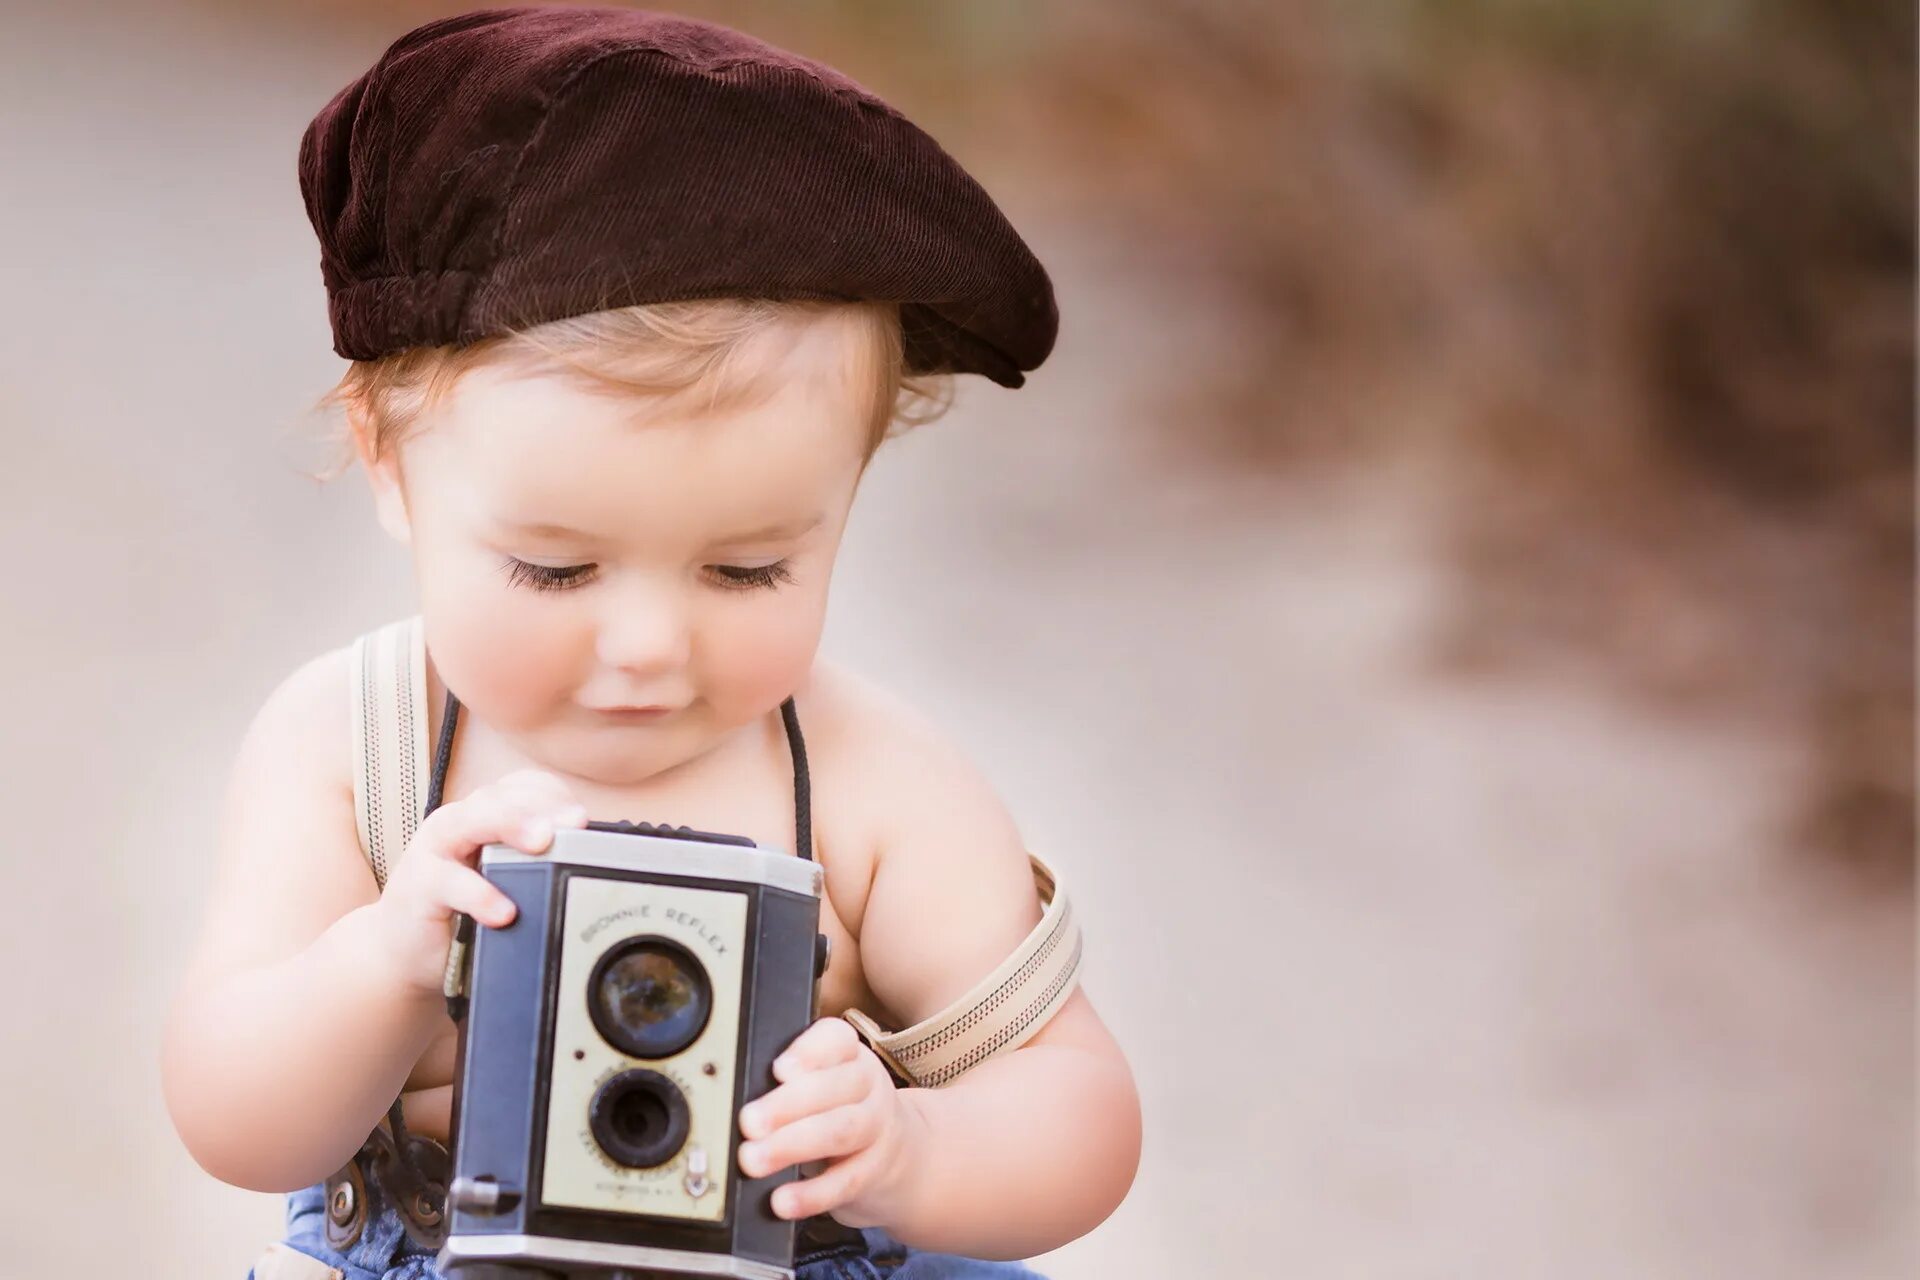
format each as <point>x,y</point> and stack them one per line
<point>616,754</point>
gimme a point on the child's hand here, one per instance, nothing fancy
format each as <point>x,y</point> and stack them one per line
<point>835,1101</point>
<point>437,876</point>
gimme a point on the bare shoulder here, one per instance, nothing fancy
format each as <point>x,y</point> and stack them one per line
<point>288,858</point>
<point>902,773</point>
<point>306,718</point>
<point>860,717</point>
<point>889,739</point>
<point>951,890</point>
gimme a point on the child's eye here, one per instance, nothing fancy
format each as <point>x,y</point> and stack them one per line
<point>541,578</point>
<point>731,577</point>
<point>735,577</point>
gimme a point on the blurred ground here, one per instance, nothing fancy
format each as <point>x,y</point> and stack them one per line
<point>1423,973</point>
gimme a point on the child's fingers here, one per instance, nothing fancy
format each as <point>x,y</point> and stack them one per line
<point>458,887</point>
<point>828,1042</point>
<point>454,831</point>
<point>537,822</point>
<point>812,1092</point>
<point>521,819</point>
<point>841,1182</point>
<point>839,1132</point>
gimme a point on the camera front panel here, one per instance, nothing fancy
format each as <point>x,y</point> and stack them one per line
<point>645,1048</point>
<point>507,1123</point>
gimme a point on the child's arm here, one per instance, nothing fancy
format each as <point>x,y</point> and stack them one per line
<point>313,995</point>
<point>1065,1107</point>
<point>287,1039</point>
<point>310,996</point>
<point>1022,1153</point>
<point>285,1043</point>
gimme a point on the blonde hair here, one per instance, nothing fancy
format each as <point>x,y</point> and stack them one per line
<point>675,351</point>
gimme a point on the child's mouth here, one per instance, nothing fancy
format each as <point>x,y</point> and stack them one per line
<point>635,715</point>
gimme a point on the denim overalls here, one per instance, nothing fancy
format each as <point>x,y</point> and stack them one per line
<point>353,1227</point>
<point>385,1252</point>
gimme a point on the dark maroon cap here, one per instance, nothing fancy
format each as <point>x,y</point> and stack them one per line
<point>504,168</point>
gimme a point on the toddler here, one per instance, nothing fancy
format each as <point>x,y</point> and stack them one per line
<point>631,300</point>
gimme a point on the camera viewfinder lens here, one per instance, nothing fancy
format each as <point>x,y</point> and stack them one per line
<point>649,997</point>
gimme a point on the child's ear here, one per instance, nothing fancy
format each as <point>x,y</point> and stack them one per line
<point>383,476</point>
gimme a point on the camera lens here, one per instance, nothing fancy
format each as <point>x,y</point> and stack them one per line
<point>639,1118</point>
<point>649,997</point>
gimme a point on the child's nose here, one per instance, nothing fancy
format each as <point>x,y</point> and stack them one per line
<point>645,633</point>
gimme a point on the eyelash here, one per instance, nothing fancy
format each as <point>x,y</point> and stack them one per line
<point>539,577</point>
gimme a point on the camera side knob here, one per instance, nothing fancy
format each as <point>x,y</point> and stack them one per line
<point>822,954</point>
<point>481,1196</point>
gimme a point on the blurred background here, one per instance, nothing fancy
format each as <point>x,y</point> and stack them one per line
<point>1447,604</point>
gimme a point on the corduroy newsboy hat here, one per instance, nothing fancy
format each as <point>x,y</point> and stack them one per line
<point>509,167</point>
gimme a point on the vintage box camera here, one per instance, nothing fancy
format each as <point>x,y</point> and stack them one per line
<point>611,1034</point>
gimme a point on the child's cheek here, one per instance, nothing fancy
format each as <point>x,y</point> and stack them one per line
<point>510,663</point>
<point>747,668</point>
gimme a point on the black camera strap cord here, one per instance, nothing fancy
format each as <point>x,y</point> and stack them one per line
<point>418,1184</point>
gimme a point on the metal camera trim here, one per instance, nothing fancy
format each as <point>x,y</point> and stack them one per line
<point>561,1251</point>
<point>761,863</point>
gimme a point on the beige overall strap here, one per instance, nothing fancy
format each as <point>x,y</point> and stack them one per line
<point>391,765</point>
<point>1001,1012</point>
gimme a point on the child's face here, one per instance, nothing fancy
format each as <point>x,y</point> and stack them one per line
<point>688,569</point>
